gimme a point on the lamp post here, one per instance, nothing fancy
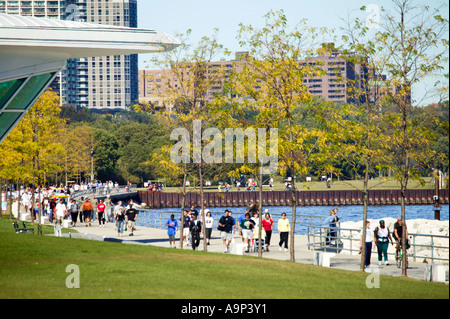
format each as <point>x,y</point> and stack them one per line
<point>437,207</point>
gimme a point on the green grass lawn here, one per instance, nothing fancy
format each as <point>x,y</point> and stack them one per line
<point>34,266</point>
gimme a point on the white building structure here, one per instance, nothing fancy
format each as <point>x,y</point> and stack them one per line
<point>33,51</point>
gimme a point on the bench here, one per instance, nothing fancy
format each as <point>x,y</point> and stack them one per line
<point>321,258</point>
<point>22,230</point>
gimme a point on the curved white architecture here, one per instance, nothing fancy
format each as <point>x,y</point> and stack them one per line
<point>33,50</point>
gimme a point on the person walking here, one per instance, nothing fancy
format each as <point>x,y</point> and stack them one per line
<point>195,227</point>
<point>120,218</point>
<point>382,237</point>
<point>256,240</point>
<point>52,215</point>
<point>247,226</point>
<point>74,212</point>
<point>61,212</point>
<point>117,208</point>
<point>172,225</point>
<point>101,212</point>
<point>267,224</point>
<point>80,209</point>
<point>369,238</point>
<point>131,215</point>
<point>331,223</point>
<point>239,221</point>
<point>94,208</point>
<point>227,229</point>
<point>209,224</point>
<point>283,230</point>
<point>87,211</point>
<point>186,221</point>
<point>108,209</point>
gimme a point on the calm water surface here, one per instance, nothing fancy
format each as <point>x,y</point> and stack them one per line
<point>345,213</point>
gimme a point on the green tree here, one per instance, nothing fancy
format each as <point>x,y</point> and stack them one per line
<point>137,142</point>
<point>32,149</point>
<point>78,144</point>
<point>414,44</point>
<point>360,140</point>
<point>34,143</point>
<point>272,81</point>
<point>106,155</point>
<point>189,103</point>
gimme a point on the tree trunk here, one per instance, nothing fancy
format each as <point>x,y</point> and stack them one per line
<point>293,198</point>
<point>200,173</point>
<point>404,183</point>
<point>18,199</point>
<point>183,204</point>
<point>10,199</point>
<point>403,217</point>
<point>260,212</point>
<point>366,204</point>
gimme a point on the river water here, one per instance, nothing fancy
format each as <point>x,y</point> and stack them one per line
<point>346,213</point>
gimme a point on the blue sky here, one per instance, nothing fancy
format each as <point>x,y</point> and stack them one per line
<point>203,16</point>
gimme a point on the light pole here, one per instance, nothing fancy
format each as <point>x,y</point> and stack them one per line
<point>437,207</point>
<point>92,164</point>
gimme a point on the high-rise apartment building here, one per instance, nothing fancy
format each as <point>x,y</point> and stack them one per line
<point>98,83</point>
<point>340,77</point>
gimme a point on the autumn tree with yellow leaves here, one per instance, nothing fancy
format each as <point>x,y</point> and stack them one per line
<point>272,82</point>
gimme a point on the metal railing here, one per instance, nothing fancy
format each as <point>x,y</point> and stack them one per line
<point>104,191</point>
<point>319,235</point>
<point>433,247</point>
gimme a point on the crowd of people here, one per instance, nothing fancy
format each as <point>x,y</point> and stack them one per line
<point>70,188</point>
<point>88,210</point>
<point>381,237</point>
<point>155,187</point>
<point>248,185</point>
<point>56,204</point>
<point>247,225</point>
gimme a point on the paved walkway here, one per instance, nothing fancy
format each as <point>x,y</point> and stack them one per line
<point>158,237</point>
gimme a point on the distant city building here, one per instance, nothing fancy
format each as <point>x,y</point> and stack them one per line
<point>98,83</point>
<point>153,85</point>
<point>340,75</point>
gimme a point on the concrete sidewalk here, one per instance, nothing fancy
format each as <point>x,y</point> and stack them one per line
<point>158,237</point>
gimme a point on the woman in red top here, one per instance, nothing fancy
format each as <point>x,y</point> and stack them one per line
<point>267,224</point>
<point>101,212</point>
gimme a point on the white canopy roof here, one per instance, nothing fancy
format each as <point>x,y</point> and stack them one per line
<point>51,38</point>
<point>33,50</point>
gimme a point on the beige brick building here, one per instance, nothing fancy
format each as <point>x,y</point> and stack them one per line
<point>333,86</point>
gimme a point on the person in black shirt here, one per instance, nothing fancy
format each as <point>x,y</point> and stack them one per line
<point>195,227</point>
<point>226,224</point>
<point>398,232</point>
<point>120,217</point>
<point>131,215</point>
<point>186,221</point>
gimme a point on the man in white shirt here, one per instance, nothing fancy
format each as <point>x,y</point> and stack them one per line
<point>26,201</point>
<point>369,240</point>
<point>61,212</point>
